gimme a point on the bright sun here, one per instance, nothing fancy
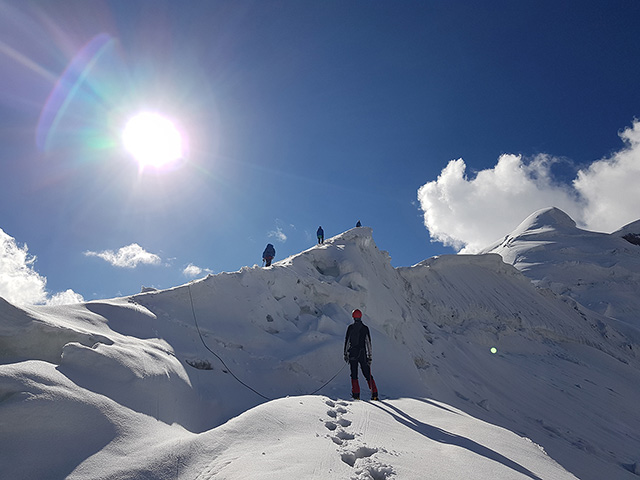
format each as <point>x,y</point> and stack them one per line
<point>153,140</point>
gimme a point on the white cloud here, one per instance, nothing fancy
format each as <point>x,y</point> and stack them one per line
<point>20,283</point>
<point>471,213</point>
<point>611,187</point>
<point>193,271</point>
<point>278,234</point>
<point>65,298</point>
<point>127,257</point>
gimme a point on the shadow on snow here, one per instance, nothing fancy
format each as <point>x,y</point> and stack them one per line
<point>438,435</point>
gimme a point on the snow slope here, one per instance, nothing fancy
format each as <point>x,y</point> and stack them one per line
<point>240,375</point>
<point>599,270</point>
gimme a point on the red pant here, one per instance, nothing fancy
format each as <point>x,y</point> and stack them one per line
<point>366,372</point>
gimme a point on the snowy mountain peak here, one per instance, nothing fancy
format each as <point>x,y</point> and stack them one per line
<point>599,270</point>
<point>548,217</point>
<point>545,220</point>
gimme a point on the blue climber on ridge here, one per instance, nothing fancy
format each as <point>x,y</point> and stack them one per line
<point>268,254</point>
<point>357,350</point>
<point>320,234</point>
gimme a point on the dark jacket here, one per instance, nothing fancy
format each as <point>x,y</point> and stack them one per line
<point>357,342</point>
<point>270,251</point>
<point>320,232</point>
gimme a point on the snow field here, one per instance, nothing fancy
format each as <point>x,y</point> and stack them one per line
<point>136,387</point>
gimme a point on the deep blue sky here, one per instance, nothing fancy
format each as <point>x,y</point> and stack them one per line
<point>299,114</point>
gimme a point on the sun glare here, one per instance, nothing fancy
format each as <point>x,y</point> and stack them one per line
<point>153,140</point>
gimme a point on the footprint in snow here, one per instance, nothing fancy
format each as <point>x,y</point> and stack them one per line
<point>342,437</point>
<point>335,414</point>
<point>344,422</point>
<point>373,470</point>
<point>330,425</point>
<point>367,467</point>
<point>363,452</point>
<point>337,440</point>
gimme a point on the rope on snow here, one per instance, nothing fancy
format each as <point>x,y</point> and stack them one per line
<point>195,320</point>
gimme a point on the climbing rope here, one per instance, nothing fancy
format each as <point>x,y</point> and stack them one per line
<point>329,381</point>
<point>195,320</point>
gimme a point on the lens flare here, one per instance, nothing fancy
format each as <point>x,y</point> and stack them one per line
<point>153,140</point>
<point>68,87</point>
<point>106,104</point>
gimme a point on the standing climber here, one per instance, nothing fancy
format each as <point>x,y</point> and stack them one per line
<point>268,254</point>
<point>320,234</point>
<point>357,350</point>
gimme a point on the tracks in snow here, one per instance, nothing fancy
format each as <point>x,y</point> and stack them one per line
<point>361,458</point>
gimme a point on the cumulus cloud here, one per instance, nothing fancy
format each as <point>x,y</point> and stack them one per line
<point>65,298</point>
<point>193,271</point>
<point>129,256</point>
<point>611,187</point>
<point>471,213</point>
<point>20,283</point>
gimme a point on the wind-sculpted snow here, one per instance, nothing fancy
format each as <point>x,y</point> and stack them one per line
<point>30,335</point>
<point>175,383</point>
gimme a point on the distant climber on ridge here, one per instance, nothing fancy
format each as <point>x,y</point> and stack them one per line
<point>320,234</point>
<point>358,224</point>
<point>357,350</point>
<point>268,254</point>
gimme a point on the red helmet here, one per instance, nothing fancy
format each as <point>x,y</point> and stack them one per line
<point>356,313</point>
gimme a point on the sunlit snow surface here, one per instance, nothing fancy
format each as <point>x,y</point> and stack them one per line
<point>599,270</point>
<point>125,388</point>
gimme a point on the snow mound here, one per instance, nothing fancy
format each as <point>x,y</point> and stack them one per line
<point>344,439</point>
